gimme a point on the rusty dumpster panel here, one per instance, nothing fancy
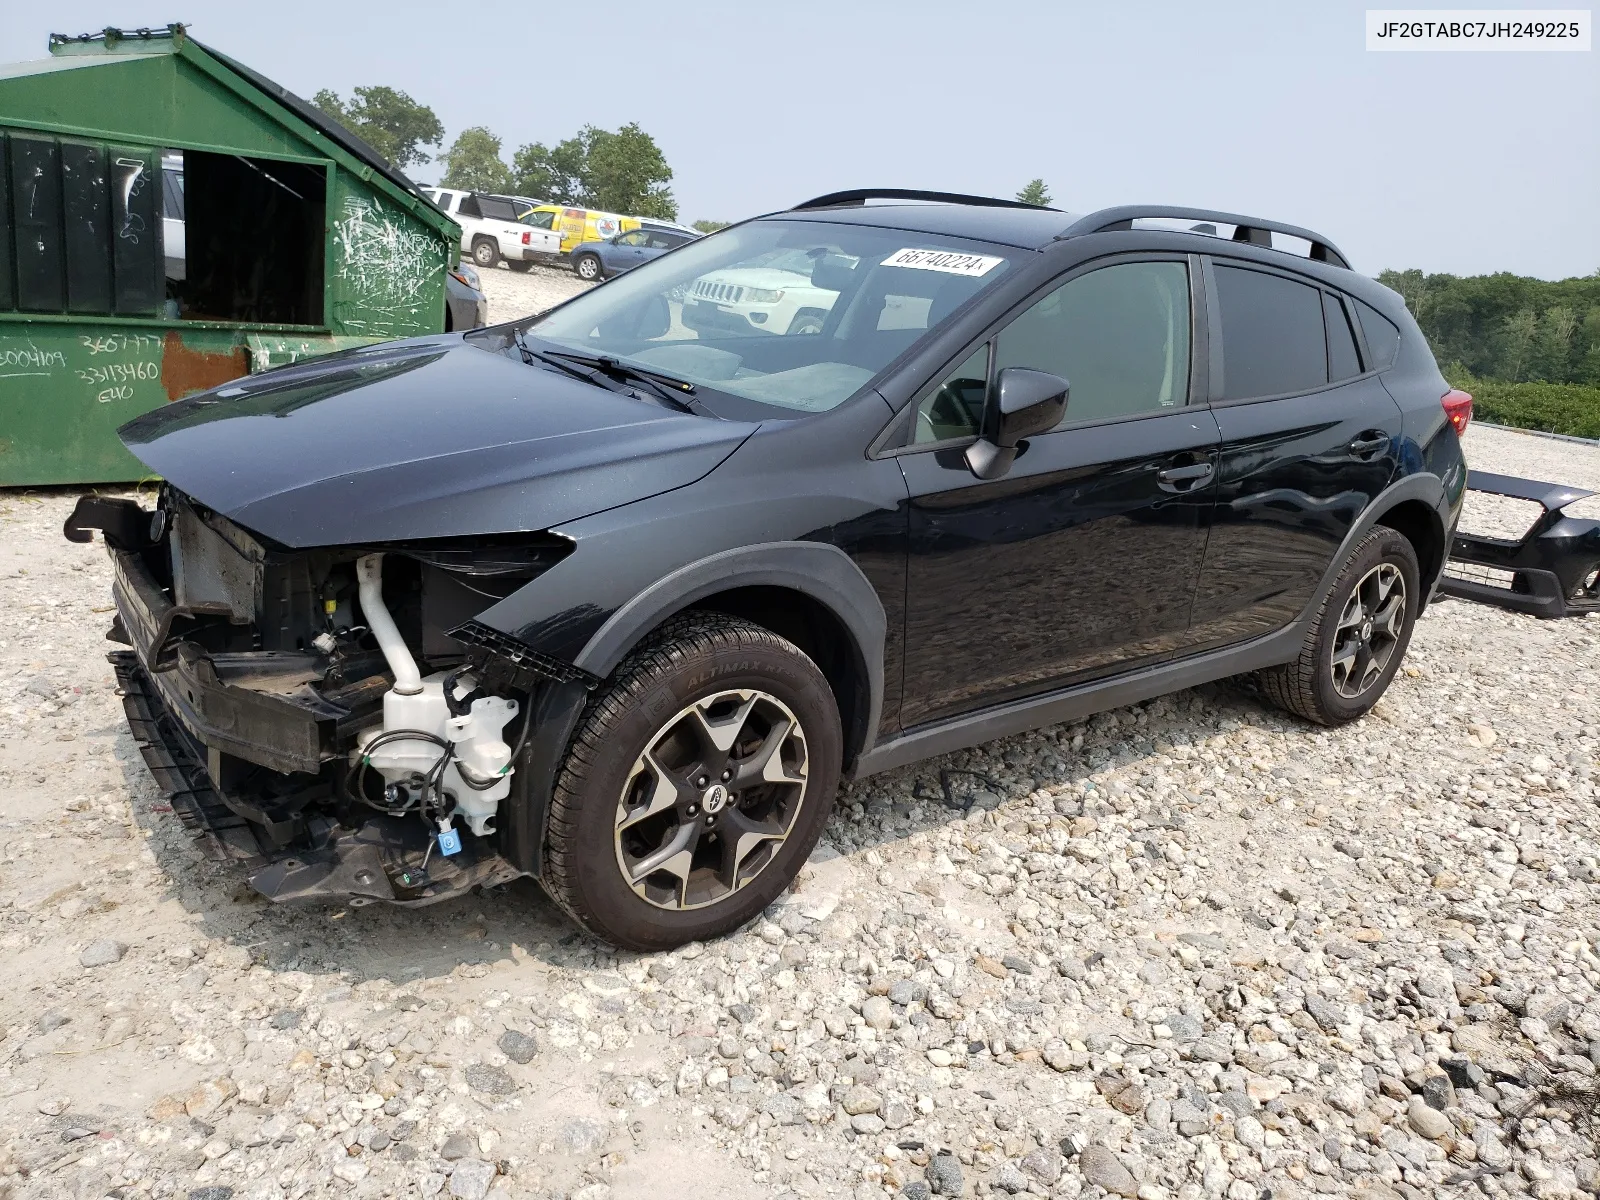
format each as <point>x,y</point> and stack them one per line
<point>66,387</point>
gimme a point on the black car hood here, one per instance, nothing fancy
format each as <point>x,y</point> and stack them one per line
<point>421,439</point>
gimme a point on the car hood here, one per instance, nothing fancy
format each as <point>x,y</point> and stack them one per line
<point>426,438</point>
<point>761,277</point>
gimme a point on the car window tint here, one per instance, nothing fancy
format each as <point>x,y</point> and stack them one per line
<point>660,241</point>
<point>1382,334</point>
<point>1343,362</point>
<point>1272,335</point>
<point>1119,336</point>
<point>631,239</point>
<point>954,409</point>
<point>539,220</point>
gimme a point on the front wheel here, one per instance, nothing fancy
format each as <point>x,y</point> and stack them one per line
<point>696,785</point>
<point>1359,636</point>
<point>588,267</point>
<point>485,253</point>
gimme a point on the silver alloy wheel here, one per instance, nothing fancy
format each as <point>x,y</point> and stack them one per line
<point>712,799</point>
<point>588,267</point>
<point>1368,631</point>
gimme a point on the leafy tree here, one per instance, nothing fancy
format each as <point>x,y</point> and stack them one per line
<point>1035,193</point>
<point>711,226</point>
<point>553,175</point>
<point>388,120</point>
<point>1520,328</point>
<point>473,162</point>
<point>622,171</point>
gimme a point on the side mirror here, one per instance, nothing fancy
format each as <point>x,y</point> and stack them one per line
<point>1023,403</point>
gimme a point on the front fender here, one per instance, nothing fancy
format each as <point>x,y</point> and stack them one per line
<point>816,569</point>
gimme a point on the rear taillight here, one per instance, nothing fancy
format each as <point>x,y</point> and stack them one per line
<point>527,240</point>
<point>1458,407</point>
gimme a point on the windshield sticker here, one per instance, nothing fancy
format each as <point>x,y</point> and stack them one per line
<point>948,261</point>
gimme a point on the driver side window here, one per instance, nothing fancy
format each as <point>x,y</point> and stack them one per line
<point>955,408</point>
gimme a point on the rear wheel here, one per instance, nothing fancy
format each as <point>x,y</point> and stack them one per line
<point>1359,637</point>
<point>695,787</point>
<point>588,267</point>
<point>485,253</point>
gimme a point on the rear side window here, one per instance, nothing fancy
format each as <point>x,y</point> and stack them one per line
<point>1272,334</point>
<point>497,210</point>
<point>1382,334</point>
<point>1343,361</point>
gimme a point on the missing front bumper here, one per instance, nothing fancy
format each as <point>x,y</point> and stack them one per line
<point>387,859</point>
<point>1553,570</point>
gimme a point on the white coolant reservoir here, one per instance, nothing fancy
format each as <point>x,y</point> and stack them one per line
<point>478,746</point>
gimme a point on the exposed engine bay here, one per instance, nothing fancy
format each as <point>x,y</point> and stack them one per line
<point>328,715</point>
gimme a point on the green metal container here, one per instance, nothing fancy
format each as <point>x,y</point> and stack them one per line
<point>171,220</point>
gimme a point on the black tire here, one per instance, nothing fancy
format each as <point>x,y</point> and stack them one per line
<point>589,268</point>
<point>1311,686</point>
<point>691,659</point>
<point>808,320</point>
<point>523,266</point>
<point>485,253</point>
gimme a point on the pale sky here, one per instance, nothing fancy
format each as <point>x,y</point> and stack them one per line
<point>1450,162</point>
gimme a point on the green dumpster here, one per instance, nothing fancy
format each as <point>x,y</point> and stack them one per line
<point>171,220</point>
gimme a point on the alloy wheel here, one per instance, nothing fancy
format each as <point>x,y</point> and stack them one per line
<point>711,800</point>
<point>1368,631</point>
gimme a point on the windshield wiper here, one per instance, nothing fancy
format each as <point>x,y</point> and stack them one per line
<point>666,387</point>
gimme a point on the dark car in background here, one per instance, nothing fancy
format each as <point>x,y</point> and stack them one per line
<point>596,261</point>
<point>466,307</point>
<point>615,602</point>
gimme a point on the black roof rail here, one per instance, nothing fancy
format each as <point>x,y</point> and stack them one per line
<point>1254,230</point>
<point>858,196</point>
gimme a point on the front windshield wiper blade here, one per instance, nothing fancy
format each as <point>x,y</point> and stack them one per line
<point>667,387</point>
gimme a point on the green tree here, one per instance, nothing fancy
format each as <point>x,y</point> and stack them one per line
<point>622,171</point>
<point>388,120</point>
<point>1035,193</point>
<point>1520,328</point>
<point>555,174</point>
<point>473,162</point>
<point>711,226</point>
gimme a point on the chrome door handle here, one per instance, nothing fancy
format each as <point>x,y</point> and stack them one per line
<point>1184,478</point>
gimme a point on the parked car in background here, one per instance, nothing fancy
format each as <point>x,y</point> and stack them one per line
<point>772,293</point>
<point>173,227</point>
<point>578,225</point>
<point>491,232</point>
<point>465,305</point>
<point>595,261</point>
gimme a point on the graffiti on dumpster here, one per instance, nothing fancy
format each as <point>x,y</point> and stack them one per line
<point>386,272</point>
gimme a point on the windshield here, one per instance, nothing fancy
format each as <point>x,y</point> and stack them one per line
<point>795,314</point>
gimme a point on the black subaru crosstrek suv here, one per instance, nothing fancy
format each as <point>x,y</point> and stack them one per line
<point>615,596</point>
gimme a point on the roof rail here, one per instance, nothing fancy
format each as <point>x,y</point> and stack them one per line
<point>1252,230</point>
<point>858,196</point>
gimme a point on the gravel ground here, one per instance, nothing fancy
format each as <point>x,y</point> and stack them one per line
<point>514,294</point>
<point>1189,948</point>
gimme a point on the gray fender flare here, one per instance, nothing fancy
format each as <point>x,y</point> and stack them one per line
<point>819,570</point>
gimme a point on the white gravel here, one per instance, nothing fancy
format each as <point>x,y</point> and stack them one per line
<point>1190,948</point>
<point>512,294</point>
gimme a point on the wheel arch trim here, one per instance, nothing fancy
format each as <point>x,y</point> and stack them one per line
<point>818,570</point>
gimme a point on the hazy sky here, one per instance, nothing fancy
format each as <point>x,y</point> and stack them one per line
<point>1450,162</point>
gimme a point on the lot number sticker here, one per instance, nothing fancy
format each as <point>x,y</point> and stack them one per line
<point>948,261</point>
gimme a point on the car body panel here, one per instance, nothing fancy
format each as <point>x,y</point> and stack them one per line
<point>1075,563</point>
<point>431,438</point>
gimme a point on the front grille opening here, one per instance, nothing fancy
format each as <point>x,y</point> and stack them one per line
<point>1588,591</point>
<point>1495,577</point>
<point>1486,515</point>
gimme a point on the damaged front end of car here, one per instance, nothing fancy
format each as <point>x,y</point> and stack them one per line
<point>334,718</point>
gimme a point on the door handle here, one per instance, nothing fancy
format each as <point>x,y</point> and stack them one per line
<point>1369,445</point>
<point>1184,478</point>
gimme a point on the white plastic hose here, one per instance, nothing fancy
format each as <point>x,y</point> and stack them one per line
<point>369,578</point>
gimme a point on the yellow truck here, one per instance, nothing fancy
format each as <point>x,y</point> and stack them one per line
<point>577,225</point>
